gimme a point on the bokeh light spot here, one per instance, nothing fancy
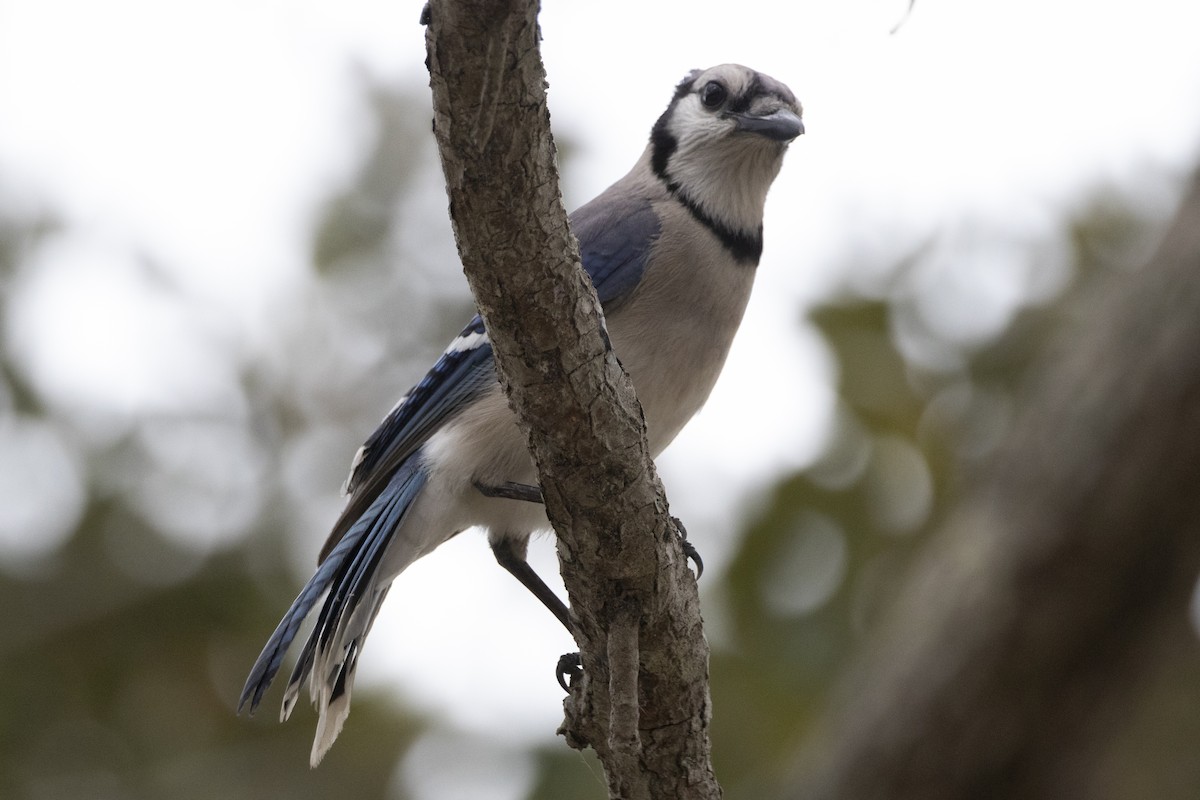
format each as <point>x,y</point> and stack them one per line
<point>810,568</point>
<point>41,490</point>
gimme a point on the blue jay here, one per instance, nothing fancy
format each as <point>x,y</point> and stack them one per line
<point>672,249</point>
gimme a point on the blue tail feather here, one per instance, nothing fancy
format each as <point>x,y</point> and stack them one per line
<point>346,569</point>
<point>351,583</point>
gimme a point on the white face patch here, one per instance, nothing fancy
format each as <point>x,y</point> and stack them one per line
<point>725,173</point>
<point>693,122</point>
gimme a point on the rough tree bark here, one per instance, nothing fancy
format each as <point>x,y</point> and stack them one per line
<point>643,702</point>
<point>1022,631</point>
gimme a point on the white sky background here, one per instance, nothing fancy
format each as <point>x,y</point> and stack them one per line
<point>133,118</point>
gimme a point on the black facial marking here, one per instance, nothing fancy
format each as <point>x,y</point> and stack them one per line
<point>662,146</point>
<point>663,142</point>
<point>685,86</point>
<point>745,247</point>
<point>741,102</point>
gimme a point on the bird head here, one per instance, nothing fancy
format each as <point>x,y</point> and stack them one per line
<point>721,141</point>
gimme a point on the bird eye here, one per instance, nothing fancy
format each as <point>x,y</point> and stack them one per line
<point>713,94</point>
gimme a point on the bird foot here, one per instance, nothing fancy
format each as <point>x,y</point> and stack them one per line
<point>689,549</point>
<point>569,670</point>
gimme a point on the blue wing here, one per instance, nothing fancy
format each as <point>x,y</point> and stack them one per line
<point>383,484</point>
<point>615,239</point>
<point>462,372</point>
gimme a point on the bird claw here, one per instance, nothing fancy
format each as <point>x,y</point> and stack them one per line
<point>569,666</point>
<point>689,549</point>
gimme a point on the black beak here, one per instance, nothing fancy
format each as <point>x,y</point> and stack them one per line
<point>782,125</point>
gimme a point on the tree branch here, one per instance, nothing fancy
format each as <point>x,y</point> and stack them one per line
<point>633,598</point>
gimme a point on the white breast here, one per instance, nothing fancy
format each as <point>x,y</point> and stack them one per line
<point>674,334</point>
<point>672,337</point>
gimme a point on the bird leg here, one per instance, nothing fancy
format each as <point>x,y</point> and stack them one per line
<point>511,491</point>
<point>533,494</point>
<point>510,554</point>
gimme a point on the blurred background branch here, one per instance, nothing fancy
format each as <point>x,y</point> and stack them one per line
<point>1034,622</point>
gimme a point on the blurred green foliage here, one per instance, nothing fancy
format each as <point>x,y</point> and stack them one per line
<point>907,438</point>
<point>118,689</point>
<point>122,651</point>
